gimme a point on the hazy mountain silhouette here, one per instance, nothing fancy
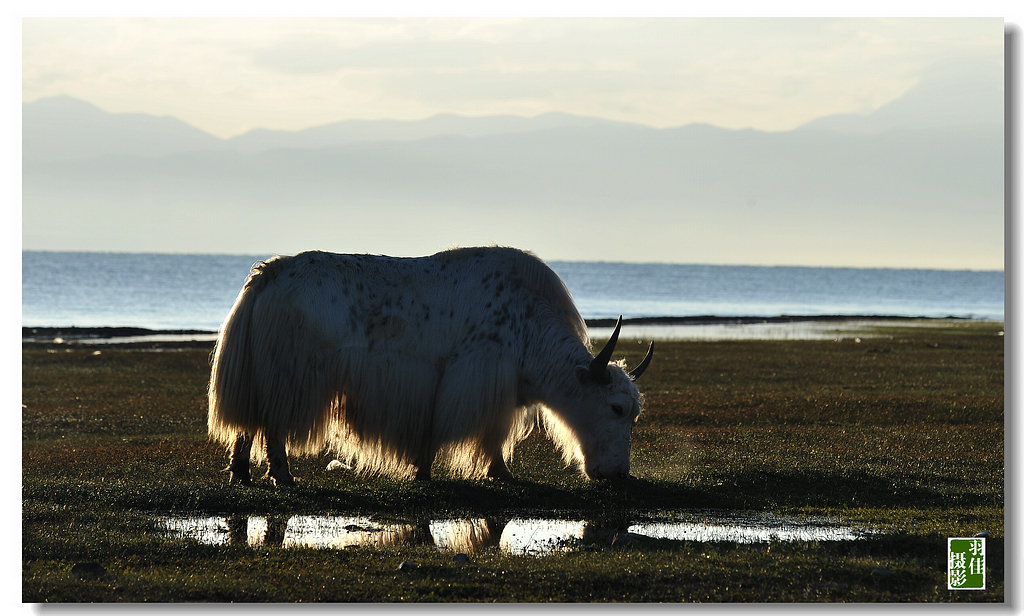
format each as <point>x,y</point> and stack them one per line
<point>961,95</point>
<point>369,131</point>
<point>64,128</point>
<point>923,160</point>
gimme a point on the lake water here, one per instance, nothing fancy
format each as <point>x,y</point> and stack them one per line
<point>164,291</point>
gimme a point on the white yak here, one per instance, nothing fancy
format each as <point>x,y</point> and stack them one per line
<point>393,362</point>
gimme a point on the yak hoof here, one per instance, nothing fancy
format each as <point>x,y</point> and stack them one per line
<point>287,481</point>
<point>239,477</point>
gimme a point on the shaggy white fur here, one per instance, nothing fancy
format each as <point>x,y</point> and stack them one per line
<point>389,362</point>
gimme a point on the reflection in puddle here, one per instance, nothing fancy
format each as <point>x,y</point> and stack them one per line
<point>514,536</point>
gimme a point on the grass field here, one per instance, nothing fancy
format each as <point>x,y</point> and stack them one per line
<point>900,433</point>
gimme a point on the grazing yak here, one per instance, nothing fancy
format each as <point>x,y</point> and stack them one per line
<point>393,362</point>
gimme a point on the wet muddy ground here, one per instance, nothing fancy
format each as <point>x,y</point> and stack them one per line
<point>769,471</point>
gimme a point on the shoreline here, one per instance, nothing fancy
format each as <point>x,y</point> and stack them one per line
<point>703,326</point>
<point>84,333</point>
<point>29,332</point>
<point>116,338</point>
<point>784,318</point>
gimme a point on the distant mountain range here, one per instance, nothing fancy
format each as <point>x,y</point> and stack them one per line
<point>936,153</point>
<point>64,128</point>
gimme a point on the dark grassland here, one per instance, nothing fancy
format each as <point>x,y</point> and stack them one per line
<point>902,433</point>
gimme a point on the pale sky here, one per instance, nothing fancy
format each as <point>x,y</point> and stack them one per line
<point>227,76</point>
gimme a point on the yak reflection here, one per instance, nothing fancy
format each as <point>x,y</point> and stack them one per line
<point>522,536</point>
<point>515,535</point>
<point>465,535</point>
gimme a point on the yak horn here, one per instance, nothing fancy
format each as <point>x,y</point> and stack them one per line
<point>599,366</point>
<point>636,372</point>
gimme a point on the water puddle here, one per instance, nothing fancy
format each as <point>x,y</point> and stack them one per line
<point>534,536</point>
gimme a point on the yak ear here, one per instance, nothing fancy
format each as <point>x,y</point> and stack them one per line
<point>583,374</point>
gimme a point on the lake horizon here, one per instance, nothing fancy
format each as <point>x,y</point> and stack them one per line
<point>195,291</point>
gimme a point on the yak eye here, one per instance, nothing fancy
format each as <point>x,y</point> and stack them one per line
<point>617,409</point>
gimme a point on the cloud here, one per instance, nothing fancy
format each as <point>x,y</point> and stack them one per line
<point>533,46</point>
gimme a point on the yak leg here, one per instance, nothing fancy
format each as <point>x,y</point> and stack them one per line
<point>498,469</point>
<point>424,462</point>
<point>278,457</point>
<point>493,447</point>
<point>238,460</point>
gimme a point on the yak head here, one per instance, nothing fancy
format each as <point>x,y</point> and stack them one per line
<point>593,427</point>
